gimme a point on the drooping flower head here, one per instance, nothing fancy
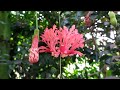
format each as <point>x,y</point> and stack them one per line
<point>34,51</point>
<point>63,41</point>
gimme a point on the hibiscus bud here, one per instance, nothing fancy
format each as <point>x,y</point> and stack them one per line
<point>113,19</point>
<point>87,21</point>
<point>34,51</point>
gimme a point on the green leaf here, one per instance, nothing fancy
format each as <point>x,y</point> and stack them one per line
<point>109,72</point>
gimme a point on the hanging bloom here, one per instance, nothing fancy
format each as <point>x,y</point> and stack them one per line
<point>69,41</point>
<point>34,51</point>
<point>62,42</point>
<point>50,37</point>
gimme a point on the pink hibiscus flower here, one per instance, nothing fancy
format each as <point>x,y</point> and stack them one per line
<point>62,42</point>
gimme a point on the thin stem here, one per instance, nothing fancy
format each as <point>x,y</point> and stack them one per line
<point>85,69</point>
<point>60,56</point>
<point>96,48</point>
<point>59,19</point>
<point>60,69</point>
<point>36,20</point>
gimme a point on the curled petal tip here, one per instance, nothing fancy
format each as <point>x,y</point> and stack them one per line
<point>54,26</point>
<point>73,26</point>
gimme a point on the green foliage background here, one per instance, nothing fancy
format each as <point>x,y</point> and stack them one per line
<point>100,60</point>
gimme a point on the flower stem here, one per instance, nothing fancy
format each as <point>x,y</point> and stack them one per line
<point>60,69</point>
<point>60,56</point>
<point>36,20</point>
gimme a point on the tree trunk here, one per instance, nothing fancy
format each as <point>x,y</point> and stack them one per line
<point>4,44</point>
